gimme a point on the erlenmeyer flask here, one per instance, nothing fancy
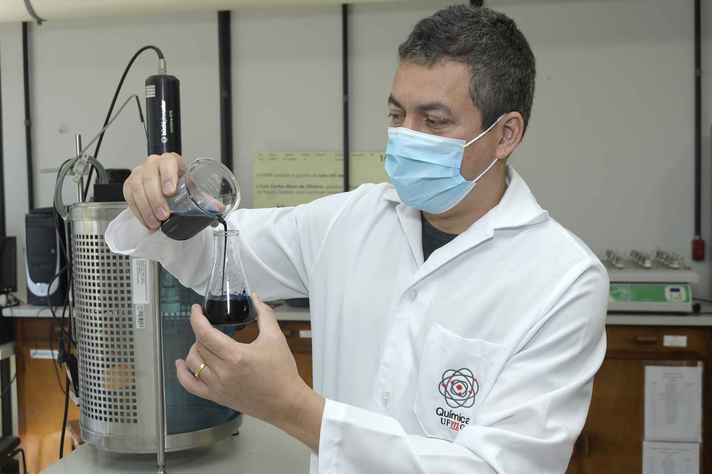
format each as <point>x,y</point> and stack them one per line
<point>227,298</point>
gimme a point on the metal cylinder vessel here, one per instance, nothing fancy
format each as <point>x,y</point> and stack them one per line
<point>118,304</point>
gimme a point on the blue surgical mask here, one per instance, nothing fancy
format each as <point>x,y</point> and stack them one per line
<point>425,169</point>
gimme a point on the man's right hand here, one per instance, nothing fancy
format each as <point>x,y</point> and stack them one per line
<point>148,186</point>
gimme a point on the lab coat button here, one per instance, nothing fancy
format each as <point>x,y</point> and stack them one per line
<point>386,397</point>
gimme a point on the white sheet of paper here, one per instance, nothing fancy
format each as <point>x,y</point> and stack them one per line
<point>673,404</point>
<point>671,458</point>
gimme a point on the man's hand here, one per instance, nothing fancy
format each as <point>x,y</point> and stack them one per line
<point>149,185</point>
<point>259,379</point>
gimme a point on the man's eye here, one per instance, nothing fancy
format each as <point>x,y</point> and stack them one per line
<point>395,118</point>
<point>435,122</point>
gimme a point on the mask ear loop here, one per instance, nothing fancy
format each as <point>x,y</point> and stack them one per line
<point>494,162</point>
<point>484,132</point>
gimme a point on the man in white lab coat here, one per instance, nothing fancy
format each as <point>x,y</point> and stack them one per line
<point>456,326</point>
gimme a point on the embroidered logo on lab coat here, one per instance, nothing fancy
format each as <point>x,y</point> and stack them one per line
<point>459,389</point>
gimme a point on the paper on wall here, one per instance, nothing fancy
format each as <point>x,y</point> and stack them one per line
<point>673,403</point>
<point>291,178</point>
<point>671,458</point>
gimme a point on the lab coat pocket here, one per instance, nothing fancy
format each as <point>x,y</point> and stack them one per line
<point>454,377</point>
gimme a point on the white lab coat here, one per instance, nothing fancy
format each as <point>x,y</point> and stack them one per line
<point>478,360</point>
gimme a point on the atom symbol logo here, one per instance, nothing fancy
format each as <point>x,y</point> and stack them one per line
<point>459,388</point>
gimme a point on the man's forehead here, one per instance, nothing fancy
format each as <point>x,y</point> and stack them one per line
<point>416,85</point>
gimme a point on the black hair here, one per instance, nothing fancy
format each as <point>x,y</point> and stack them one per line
<point>501,61</point>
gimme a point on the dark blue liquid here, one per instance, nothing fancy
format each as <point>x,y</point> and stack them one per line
<point>181,226</point>
<point>231,309</point>
<point>237,309</point>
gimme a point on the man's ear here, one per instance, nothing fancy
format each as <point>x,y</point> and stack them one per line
<point>510,132</point>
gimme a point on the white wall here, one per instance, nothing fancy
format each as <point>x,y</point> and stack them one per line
<point>377,32</point>
<point>609,151</point>
<point>286,84</point>
<point>76,66</point>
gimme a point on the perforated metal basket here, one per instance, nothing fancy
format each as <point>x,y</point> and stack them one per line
<point>118,304</point>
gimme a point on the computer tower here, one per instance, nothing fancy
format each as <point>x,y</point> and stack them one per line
<point>45,258</point>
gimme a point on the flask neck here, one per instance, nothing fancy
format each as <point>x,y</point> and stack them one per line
<point>226,243</point>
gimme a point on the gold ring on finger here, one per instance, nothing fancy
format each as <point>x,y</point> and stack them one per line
<point>200,369</point>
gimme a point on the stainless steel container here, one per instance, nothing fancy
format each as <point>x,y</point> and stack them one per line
<point>127,314</point>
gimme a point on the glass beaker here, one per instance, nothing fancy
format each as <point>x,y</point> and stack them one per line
<point>206,193</point>
<point>227,298</point>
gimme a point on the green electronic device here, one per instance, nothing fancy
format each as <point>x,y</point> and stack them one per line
<point>644,283</point>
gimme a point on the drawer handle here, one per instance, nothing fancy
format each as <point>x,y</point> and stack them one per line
<point>646,339</point>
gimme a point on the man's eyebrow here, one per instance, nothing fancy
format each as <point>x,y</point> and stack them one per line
<point>392,101</point>
<point>433,107</point>
<point>423,108</point>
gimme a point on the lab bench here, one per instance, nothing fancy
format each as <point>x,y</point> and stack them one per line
<point>283,312</point>
<point>259,449</point>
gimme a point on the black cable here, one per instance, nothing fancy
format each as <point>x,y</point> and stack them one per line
<point>65,333</point>
<point>64,420</point>
<point>65,304</point>
<point>66,329</point>
<point>111,108</point>
<point>56,365</point>
<point>68,268</point>
<point>24,459</point>
<point>141,119</point>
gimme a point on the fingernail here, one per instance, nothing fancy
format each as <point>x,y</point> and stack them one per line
<point>168,186</point>
<point>162,213</point>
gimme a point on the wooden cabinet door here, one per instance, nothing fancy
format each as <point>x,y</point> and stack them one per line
<point>612,438</point>
<point>40,395</point>
<point>298,335</point>
<point>575,465</point>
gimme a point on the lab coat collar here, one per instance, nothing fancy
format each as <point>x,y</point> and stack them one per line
<point>517,208</point>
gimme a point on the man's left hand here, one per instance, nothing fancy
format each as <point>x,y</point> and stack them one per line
<point>259,379</point>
